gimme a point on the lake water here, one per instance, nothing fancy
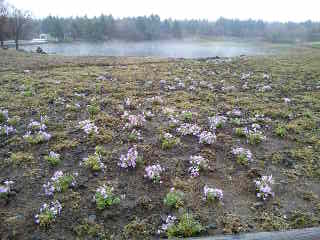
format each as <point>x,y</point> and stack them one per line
<point>176,49</point>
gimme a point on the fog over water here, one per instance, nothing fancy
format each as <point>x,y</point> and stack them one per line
<point>176,49</point>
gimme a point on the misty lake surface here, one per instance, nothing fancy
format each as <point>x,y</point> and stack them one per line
<point>174,49</point>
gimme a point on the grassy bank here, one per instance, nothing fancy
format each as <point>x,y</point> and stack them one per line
<point>246,117</point>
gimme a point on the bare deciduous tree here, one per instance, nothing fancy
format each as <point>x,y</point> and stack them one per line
<point>3,20</point>
<point>19,19</point>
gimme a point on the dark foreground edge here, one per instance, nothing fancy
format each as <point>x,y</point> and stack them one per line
<point>298,234</point>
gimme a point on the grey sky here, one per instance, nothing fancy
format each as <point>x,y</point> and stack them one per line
<point>269,10</point>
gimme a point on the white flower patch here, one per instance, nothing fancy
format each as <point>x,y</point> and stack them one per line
<point>173,120</point>
<point>156,100</point>
<point>6,187</point>
<point>170,220</point>
<point>55,183</point>
<point>181,85</point>
<point>216,122</point>
<point>168,110</point>
<point>127,102</point>
<point>229,88</point>
<point>287,100</point>
<point>7,130</point>
<point>37,131</point>
<point>197,163</point>
<point>245,76</point>
<point>192,88</point>
<point>263,186</point>
<point>245,86</point>
<point>235,113</point>
<point>242,152</point>
<point>212,193</point>
<point>265,88</point>
<point>207,138</point>
<point>35,125</point>
<point>168,136</point>
<point>44,136</point>
<point>54,155</point>
<point>88,127</point>
<point>148,114</point>
<point>266,76</point>
<point>189,129</point>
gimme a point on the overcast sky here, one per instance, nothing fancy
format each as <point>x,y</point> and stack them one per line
<point>269,10</point>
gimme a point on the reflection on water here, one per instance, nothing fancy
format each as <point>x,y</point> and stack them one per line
<point>177,49</point>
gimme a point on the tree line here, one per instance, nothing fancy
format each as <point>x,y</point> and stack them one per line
<point>17,24</point>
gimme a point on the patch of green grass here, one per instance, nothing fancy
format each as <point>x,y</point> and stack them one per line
<point>20,158</point>
<point>186,227</point>
<point>240,132</point>
<point>174,199</point>
<point>168,143</point>
<point>302,219</point>
<point>281,130</point>
<point>107,199</point>
<point>255,138</point>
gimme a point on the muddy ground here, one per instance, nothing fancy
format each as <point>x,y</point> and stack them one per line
<point>283,90</point>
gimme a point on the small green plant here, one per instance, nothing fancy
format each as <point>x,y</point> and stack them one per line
<point>236,121</point>
<point>48,214</point>
<point>21,158</point>
<point>90,229</point>
<point>53,158</point>
<point>100,150</point>
<point>187,227</point>
<point>93,162</point>
<point>64,183</point>
<point>134,135</point>
<point>28,93</point>
<point>168,141</point>
<point>281,131</point>
<point>240,132</point>
<point>137,229</point>
<point>37,138</point>
<point>105,197</point>
<point>242,159</point>
<point>13,121</point>
<point>93,109</point>
<point>174,199</point>
<point>255,138</point>
<point>3,116</point>
<point>187,116</point>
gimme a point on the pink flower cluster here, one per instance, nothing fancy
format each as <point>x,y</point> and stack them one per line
<point>153,172</point>
<point>130,159</point>
<point>197,163</point>
<point>263,186</point>
<point>134,120</point>
<point>88,126</point>
<point>54,209</point>
<point>239,151</point>
<point>207,137</point>
<point>212,193</point>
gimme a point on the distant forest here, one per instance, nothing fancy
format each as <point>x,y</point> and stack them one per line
<point>153,28</point>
